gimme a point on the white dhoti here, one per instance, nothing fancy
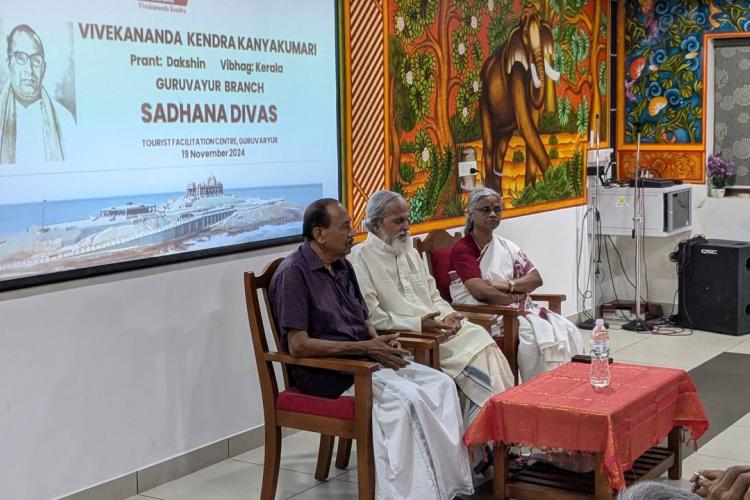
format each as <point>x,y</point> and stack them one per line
<point>416,433</point>
<point>486,374</point>
<point>544,344</point>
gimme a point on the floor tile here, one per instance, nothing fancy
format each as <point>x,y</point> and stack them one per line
<point>732,444</point>
<point>722,385</point>
<point>698,340</point>
<point>620,339</point>
<point>350,475</point>
<point>732,362</point>
<point>743,347</point>
<point>698,461</point>
<point>299,453</point>
<point>143,497</point>
<point>744,421</point>
<point>230,480</point>
<point>669,356</point>
<point>330,490</point>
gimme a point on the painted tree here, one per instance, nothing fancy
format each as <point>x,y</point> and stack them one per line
<point>403,114</point>
<point>580,42</point>
<point>436,81</point>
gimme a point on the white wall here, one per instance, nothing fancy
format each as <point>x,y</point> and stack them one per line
<point>104,376</point>
<point>714,218</point>
<point>550,240</point>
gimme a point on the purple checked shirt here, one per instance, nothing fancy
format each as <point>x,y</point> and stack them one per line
<point>305,296</point>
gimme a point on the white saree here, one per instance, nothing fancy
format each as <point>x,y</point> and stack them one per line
<point>546,339</point>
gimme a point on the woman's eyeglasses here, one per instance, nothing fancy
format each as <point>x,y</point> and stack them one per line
<point>486,210</point>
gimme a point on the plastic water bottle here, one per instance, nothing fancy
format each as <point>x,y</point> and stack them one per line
<point>599,355</point>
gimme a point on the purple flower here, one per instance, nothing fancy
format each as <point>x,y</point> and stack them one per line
<point>719,170</point>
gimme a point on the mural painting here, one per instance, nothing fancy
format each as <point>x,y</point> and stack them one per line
<point>500,93</point>
<point>663,76</point>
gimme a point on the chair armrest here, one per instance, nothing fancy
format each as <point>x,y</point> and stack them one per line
<point>554,300</point>
<point>426,350</point>
<point>440,337</point>
<point>354,366</point>
<point>417,343</point>
<point>549,297</point>
<point>487,309</point>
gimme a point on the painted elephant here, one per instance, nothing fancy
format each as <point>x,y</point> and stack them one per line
<point>513,91</point>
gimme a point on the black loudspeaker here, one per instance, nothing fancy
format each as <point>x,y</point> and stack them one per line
<point>714,285</point>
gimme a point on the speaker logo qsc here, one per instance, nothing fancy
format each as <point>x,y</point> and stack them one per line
<point>709,251</point>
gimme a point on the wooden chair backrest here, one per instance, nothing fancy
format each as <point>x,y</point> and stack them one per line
<point>253,284</point>
<point>440,238</point>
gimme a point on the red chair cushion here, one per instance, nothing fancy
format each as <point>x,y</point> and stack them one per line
<point>440,260</point>
<point>293,400</point>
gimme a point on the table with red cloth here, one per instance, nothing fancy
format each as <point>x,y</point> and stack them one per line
<point>560,410</point>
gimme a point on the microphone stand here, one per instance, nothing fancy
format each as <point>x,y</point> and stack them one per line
<point>637,324</point>
<point>594,257</point>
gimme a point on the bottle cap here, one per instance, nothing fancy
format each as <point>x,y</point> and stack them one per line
<point>600,322</point>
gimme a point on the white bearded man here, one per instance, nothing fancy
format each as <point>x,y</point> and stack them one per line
<point>401,295</point>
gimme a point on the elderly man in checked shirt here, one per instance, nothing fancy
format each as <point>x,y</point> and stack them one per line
<point>416,418</point>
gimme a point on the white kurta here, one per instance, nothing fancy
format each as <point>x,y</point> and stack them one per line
<point>399,291</point>
<point>416,433</point>
<point>546,339</point>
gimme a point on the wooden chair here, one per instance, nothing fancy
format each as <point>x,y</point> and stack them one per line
<point>437,246</point>
<point>346,417</point>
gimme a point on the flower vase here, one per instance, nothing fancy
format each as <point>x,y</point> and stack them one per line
<point>717,192</point>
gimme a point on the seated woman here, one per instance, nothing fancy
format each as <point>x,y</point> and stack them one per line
<point>486,268</point>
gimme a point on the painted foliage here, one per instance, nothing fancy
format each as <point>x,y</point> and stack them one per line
<point>511,86</point>
<point>664,64</point>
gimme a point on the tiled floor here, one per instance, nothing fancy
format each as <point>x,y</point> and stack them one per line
<point>718,381</point>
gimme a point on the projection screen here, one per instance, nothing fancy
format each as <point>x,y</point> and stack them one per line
<point>141,132</point>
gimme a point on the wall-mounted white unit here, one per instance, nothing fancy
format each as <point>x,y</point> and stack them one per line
<point>666,211</point>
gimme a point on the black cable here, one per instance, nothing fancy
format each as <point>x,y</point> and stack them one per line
<point>612,280</point>
<point>622,266</point>
<point>681,257</point>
